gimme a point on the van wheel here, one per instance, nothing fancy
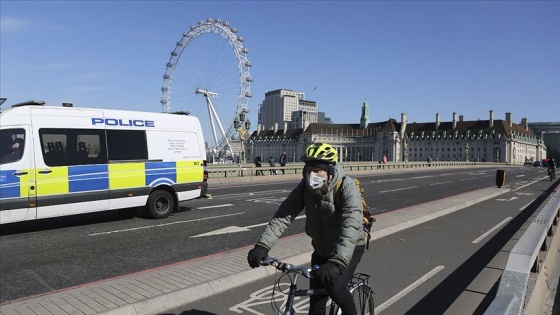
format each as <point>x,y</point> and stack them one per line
<point>160,204</point>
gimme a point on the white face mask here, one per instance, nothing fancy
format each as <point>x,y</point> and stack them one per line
<point>315,181</point>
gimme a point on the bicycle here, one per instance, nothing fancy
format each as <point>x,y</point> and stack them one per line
<point>358,287</point>
<point>551,173</point>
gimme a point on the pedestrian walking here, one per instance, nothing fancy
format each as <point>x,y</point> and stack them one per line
<point>258,163</point>
<point>283,161</point>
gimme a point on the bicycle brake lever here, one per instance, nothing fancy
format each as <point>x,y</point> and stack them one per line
<point>268,261</point>
<point>284,266</point>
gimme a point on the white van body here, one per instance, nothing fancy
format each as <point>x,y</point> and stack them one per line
<point>78,160</point>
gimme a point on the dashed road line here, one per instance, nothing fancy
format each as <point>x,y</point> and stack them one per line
<point>398,189</point>
<point>407,290</point>
<point>480,238</point>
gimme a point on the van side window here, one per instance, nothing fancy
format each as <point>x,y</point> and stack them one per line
<point>125,145</point>
<point>12,144</point>
<point>53,145</point>
<point>63,147</point>
<point>88,147</point>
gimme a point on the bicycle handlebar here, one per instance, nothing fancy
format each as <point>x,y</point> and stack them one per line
<point>286,267</point>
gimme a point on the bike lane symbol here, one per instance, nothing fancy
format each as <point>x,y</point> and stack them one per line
<point>260,301</point>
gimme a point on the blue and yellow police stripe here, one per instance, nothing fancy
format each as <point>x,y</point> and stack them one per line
<point>68,184</point>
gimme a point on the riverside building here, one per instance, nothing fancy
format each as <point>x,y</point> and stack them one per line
<point>493,140</point>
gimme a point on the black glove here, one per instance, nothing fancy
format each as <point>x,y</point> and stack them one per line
<point>256,255</point>
<point>328,272</point>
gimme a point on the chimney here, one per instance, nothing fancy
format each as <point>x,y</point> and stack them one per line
<point>461,117</point>
<point>285,127</point>
<point>404,121</point>
<point>275,127</point>
<point>525,124</point>
<point>259,126</point>
<point>491,119</point>
<point>437,121</point>
<point>508,119</point>
<point>454,120</point>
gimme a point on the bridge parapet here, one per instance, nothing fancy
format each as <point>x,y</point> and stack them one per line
<point>245,170</point>
<point>528,274</point>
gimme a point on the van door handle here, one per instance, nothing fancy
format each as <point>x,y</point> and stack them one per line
<point>45,172</point>
<point>20,173</point>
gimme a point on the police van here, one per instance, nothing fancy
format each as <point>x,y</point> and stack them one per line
<point>65,160</point>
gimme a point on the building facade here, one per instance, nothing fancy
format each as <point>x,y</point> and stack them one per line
<point>289,106</point>
<point>549,132</point>
<point>492,140</point>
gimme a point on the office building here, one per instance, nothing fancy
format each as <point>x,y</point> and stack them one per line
<point>549,132</point>
<point>286,106</point>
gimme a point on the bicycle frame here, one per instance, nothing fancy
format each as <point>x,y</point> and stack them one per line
<point>357,280</point>
<point>293,292</point>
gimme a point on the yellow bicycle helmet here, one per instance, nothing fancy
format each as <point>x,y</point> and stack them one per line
<point>320,153</point>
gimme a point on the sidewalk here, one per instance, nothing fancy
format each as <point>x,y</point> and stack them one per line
<point>157,290</point>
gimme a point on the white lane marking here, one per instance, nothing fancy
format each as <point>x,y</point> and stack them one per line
<point>510,199</point>
<point>398,189</point>
<point>386,180</point>
<point>264,192</point>
<point>235,229</point>
<point>419,177</point>
<point>447,174</point>
<point>165,224</point>
<point>407,290</point>
<point>480,238</point>
<point>216,206</point>
<point>531,183</point>
<point>525,206</point>
<point>440,183</point>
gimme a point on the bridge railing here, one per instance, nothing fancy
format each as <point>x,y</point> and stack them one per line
<point>242,170</point>
<point>530,258</point>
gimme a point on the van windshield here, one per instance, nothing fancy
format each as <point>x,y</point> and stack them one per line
<point>12,143</point>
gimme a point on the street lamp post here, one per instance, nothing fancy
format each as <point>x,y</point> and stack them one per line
<point>242,126</point>
<point>405,148</point>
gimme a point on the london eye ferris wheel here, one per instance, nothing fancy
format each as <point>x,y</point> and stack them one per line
<point>208,76</point>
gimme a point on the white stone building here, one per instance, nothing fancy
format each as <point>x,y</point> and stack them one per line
<point>491,140</point>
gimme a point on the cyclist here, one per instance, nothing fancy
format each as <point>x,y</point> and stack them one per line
<point>551,166</point>
<point>336,234</point>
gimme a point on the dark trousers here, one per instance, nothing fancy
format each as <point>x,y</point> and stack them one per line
<point>259,172</point>
<point>338,291</point>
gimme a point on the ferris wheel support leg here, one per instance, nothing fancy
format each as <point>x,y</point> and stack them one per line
<point>212,121</point>
<point>220,125</point>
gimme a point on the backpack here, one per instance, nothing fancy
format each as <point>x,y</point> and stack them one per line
<point>368,219</point>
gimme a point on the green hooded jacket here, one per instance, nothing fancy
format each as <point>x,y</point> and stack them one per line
<point>334,232</point>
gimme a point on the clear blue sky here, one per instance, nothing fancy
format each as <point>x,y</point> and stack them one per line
<point>417,57</point>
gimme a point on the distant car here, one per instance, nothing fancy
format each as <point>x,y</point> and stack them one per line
<point>538,164</point>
